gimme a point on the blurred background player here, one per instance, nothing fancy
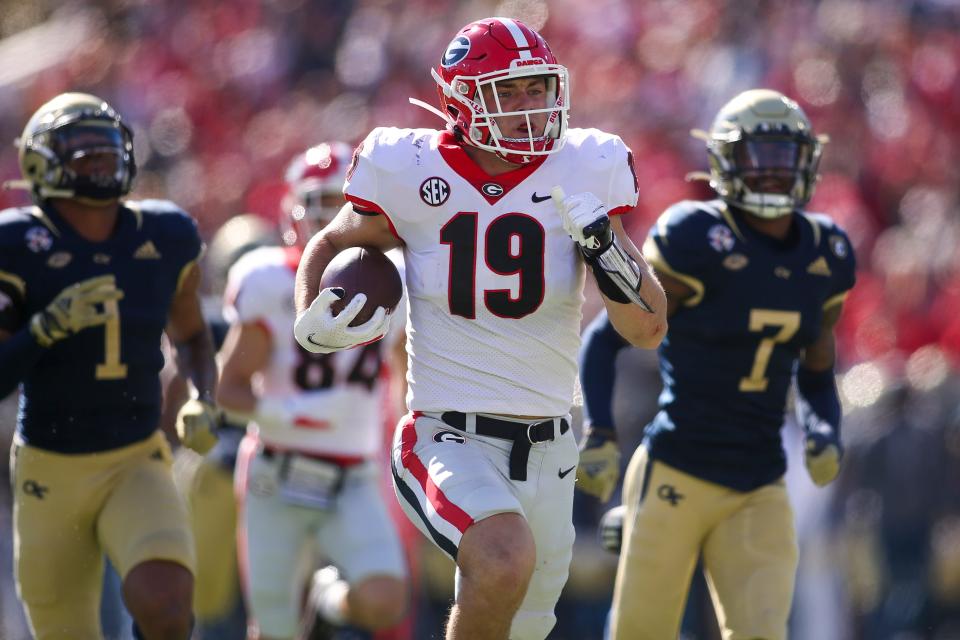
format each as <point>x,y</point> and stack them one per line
<point>89,283</point>
<point>308,473</point>
<point>207,481</point>
<point>755,286</point>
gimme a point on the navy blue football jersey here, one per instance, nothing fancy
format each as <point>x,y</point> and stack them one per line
<point>98,389</point>
<point>731,350</point>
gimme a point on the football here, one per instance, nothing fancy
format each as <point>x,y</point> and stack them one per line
<point>363,270</point>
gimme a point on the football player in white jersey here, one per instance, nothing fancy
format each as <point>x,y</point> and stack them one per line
<point>305,471</point>
<point>482,464</point>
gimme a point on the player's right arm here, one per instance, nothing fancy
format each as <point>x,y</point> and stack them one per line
<point>316,329</point>
<point>24,339</point>
<point>251,304</point>
<point>246,351</point>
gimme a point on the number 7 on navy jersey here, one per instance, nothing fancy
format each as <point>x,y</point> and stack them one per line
<point>514,245</point>
<point>788,322</point>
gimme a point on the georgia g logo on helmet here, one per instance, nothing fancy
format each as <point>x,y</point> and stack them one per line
<point>76,146</point>
<point>456,51</point>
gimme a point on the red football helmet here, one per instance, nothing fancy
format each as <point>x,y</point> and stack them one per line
<point>495,50</point>
<point>314,190</point>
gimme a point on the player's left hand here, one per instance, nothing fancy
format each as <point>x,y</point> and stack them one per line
<point>197,422</point>
<point>584,218</point>
<point>599,467</point>
<point>822,455</point>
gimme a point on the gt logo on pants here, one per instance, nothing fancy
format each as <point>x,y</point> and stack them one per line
<point>448,436</point>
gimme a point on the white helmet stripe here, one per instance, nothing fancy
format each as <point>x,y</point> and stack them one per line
<point>518,37</point>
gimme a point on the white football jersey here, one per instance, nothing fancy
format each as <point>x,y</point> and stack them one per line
<point>495,284</point>
<point>338,397</point>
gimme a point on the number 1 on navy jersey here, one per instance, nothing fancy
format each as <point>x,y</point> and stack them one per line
<point>111,368</point>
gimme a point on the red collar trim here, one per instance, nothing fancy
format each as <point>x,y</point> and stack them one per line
<point>464,166</point>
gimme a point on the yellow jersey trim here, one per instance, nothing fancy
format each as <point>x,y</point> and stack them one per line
<point>833,301</point>
<point>18,283</point>
<point>184,272</point>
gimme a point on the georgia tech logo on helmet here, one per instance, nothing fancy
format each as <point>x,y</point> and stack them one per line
<point>448,436</point>
<point>434,191</point>
<point>456,51</point>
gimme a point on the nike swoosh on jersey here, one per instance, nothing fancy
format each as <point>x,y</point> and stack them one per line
<point>563,474</point>
<point>537,198</point>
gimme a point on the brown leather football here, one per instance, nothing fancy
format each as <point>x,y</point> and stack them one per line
<point>363,270</point>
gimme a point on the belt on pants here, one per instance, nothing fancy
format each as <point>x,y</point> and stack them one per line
<point>523,435</point>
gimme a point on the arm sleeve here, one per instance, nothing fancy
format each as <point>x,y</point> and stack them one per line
<point>817,400</point>
<point>598,357</point>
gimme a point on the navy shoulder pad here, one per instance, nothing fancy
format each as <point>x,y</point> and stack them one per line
<point>15,219</point>
<point>689,237</point>
<point>172,228</point>
<point>834,243</point>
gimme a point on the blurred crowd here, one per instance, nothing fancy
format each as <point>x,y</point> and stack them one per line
<point>221,94</point>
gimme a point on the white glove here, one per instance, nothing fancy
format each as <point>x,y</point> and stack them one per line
<point>319,331</point>
<point>578,212</point>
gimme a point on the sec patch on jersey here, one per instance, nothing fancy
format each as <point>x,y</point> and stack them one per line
<point>364,270</point>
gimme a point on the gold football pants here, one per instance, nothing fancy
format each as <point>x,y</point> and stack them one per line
<point>71,509</point>
<point>747,541</point>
